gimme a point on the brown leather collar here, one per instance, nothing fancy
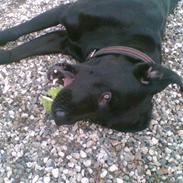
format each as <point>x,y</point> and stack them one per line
<point>122,50</point>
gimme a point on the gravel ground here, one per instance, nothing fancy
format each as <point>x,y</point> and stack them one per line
<point>34,150</point>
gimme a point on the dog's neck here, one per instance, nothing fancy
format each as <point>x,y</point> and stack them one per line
<point>149,44</point>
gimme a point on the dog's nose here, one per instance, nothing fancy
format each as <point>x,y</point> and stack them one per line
<point>60,114</point>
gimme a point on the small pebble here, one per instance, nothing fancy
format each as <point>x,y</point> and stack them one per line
<point>71,165</point>
<point>24,115</point>
<point>151,152</point>
<point>113,168</point>
<point>118,180</point>
<point>180,132</point>
<point>104,173</point>
<point>55,172</point>
<point>65,171</point>
<point>87,163</point>
<point>45,159</point>
<point>35,179</point>
<point>154,141</point>
<point>148,172</point>
<point>78,168</point>
<point>46,179</point>
<point>84,180</point>
<point>83,154</point>
<point>61,154</point>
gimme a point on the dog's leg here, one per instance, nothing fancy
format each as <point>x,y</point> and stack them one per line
<point>42,21</point>
<point>54,42</point>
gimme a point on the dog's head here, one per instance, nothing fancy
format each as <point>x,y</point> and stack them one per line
<point>114,93</point>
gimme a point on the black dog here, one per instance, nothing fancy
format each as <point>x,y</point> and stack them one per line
<point>119,45</point>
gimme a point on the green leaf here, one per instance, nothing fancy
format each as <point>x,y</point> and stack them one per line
<point>52,92</point>
<point>47,103</point>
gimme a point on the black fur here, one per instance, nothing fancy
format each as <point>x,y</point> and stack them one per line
<point>110,90</point>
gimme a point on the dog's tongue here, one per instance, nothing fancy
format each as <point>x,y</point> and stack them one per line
<point>67,81</point>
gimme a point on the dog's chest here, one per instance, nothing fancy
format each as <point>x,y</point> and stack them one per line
<point>129,15</point>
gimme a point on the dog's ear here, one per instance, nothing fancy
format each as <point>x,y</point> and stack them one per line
<point>156,77</point>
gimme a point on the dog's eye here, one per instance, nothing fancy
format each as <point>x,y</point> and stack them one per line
<point>107,96</point>
<point>104,99</point>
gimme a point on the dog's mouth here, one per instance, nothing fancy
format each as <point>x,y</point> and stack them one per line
<point>66,80</point>
<point>58,74</point>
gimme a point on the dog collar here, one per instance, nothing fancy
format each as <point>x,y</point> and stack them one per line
<point>122,50</point>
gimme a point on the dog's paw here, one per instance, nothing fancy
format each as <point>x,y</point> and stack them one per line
<point>3,38</point>
<point>6,36</point>
<point>5,57</point>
